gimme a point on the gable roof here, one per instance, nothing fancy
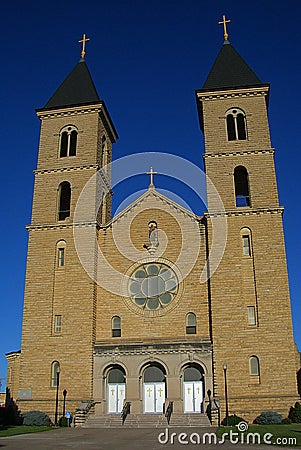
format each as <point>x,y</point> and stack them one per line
<point>230,70</point>
<point>77,89</point>
<point>152,193</point>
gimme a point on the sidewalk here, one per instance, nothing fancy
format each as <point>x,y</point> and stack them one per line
<point>111,439</point>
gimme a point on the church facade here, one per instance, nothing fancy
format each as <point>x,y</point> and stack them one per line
<point>157,304</point>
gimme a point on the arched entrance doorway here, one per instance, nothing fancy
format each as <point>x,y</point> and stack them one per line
<point>154,389</point>
<point>193,386</point>
<point>116,390</point>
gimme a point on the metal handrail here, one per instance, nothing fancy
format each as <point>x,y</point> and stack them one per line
<point>126,410</point>
<point>169,411</point>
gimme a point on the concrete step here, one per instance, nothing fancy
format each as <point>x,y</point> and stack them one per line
<point>189,420</point>
<point>146,421</point>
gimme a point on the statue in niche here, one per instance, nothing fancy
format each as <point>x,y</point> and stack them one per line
<point>152,236</point>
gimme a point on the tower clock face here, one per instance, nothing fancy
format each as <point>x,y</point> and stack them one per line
<point>153,286</point>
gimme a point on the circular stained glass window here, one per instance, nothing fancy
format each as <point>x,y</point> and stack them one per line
<point>153,286</point>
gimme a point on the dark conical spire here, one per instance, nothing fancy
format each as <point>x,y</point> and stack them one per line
<point>230,70</point>
<point>77,89</point>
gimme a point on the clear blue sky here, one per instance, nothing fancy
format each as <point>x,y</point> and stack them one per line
<point>146,59</point>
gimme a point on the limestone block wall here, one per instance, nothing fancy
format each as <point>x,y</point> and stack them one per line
<point>122,247</point>
<point>13,373</point>
<point>51,290</point>
<point>252,101</point>
<point>258,280</point>
<point>261,175</point>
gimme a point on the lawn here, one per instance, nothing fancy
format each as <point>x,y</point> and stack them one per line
<point>283,435</point>
<point>21,429</point>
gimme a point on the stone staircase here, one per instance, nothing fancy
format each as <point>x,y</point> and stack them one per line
<point>189,420</point>
<point>146,421</point>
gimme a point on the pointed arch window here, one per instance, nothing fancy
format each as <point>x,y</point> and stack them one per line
<point>64,200</point>
<point>116,326</point>
<point>236,125</point>
<point>68,141</point>
<point>55,373</point>
<point>241,182</point>
<point>191,323</point>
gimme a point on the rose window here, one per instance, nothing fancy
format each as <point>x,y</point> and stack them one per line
<point>153,286</point>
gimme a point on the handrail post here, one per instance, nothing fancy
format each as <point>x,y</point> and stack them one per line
<point>126,410</point>
<point>169,412</point>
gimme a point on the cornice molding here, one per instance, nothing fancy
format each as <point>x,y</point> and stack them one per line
<point>66,169</point>
<point>60,226</point>
<point>99,108</point>
<point>232,93</point>
<point>270,151</point>
<point>70,111</point>
<point>245,211</point>
<point>151,349</point>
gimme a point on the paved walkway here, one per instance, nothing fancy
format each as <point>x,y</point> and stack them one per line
<point>114,439</point>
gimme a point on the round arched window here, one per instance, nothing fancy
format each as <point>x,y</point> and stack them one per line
<point>153,374</point>
<point>153,286</point>
<point>116,375</point>
<point>192,373</point>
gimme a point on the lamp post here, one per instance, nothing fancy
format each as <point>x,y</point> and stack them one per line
<point>57,395</point>
<point>226,394</point>
<point>64,404</point>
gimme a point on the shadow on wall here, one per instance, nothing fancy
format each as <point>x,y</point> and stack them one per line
<point>299,381</point>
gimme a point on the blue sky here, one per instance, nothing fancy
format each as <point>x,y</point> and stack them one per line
<point>146,59</point>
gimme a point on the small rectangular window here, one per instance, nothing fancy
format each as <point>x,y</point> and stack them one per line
<point>57,324</point>
<point>61,257</point>
<point>246,245</point>
<point>251,315</point>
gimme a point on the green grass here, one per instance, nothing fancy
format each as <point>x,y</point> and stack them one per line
<point>284,434</point>
<point>21,429</point>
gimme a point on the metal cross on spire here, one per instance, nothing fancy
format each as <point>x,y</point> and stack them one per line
<point>83,41</point>
<point>224,22</point>
<point>151,173</point>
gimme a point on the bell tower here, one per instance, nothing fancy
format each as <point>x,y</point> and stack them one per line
<point>250,303</point>
<point>76,140</point>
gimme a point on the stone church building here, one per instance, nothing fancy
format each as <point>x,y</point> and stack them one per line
<point>157,304</point>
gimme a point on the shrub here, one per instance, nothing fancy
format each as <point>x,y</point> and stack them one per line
<point>286,421</point>
<point>10,414</point>
<point>268,418</point>
<point>63,422</point>
<point>2,416</point>
<point>37,418</point>
<point>295,413</point>
<point>232,420</point>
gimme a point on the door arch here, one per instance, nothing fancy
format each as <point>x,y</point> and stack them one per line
<point>116,390</point>
<point>154,389</point>
<point>193,387</point>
